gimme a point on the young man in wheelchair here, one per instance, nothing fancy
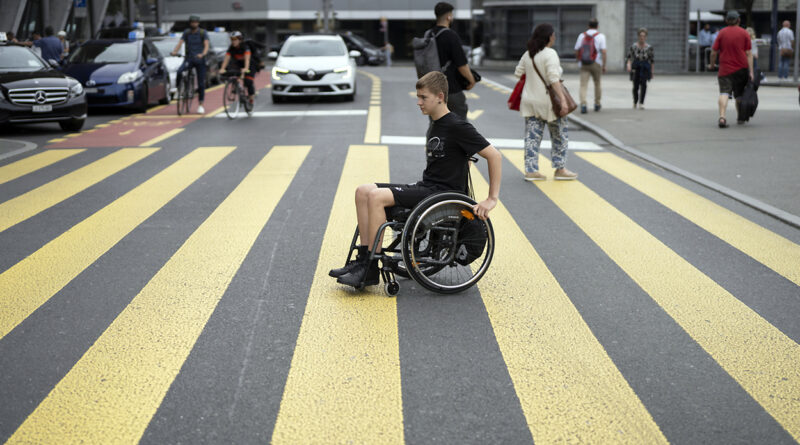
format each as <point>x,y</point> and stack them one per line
<point>451,142</point>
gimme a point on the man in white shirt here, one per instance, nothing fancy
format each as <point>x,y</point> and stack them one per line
<point>590,51</point>
<point>786,49</point>
<point>705,38</point>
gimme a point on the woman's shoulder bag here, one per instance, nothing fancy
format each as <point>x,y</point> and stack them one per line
<point>556,101</point>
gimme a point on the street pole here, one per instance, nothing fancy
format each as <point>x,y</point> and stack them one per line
<point>797,41</point>
<point>131,14</point>
<point>774,43</point>
<point>326,4</point>
<point>697,46</point>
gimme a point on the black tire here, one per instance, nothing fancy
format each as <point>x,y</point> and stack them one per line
<point>361,60</point>
<point>418,238</point>
<point>166,99</point>
<point>230,100</point>
<point>72,124</point>
<point>277,99</point>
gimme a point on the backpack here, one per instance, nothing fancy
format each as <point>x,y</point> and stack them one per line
<point>588,51</point>
<point>256,64</point>
<point>426,54</point>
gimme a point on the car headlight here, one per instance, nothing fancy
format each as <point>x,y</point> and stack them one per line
<point>132,76</point>
<point>76,89</point>
<point>277,71</point>
<point>345,71</point>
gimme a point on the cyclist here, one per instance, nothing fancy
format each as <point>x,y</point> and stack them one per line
<point>239,56</point>
<point>197,46</point>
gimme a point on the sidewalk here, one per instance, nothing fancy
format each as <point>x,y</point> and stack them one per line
<point>679,125</point>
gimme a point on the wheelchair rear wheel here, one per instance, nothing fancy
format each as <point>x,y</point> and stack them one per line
<point>445,247</point>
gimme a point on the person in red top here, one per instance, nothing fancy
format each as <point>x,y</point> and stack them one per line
<point>239,55</point>
<point>735,63</point>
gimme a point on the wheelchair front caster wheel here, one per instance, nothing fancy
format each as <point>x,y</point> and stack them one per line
<point>392,288</point>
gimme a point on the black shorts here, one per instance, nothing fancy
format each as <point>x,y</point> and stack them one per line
<point>734,82</point>
<point>409,195</point>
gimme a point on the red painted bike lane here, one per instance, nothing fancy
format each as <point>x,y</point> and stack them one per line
<point>145,129</point>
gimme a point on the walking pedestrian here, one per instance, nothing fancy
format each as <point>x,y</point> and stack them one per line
<point>453,60</point>
<point>388,50</point>
<point>640,65</point>
<point>753,48</point>
<point>62,36</point>
<point>536,107</point>
<point>590,51</point>
<point>735,64</point>
<point>786,48</point>
<point>705,38</point>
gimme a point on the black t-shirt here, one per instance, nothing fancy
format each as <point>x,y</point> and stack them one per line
<point>451,141</point>
<point>450,50</point>
<point>237,55</point>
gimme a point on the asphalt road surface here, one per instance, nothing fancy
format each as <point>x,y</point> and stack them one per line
<point>164,280</point>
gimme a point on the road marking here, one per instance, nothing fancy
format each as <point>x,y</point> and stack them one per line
<point>764,361</point>
<point>766,247</point>
<point>344,380</point>
<point>56,140</point>
<point>372,135</point>
<point>569,388</point>
<point>495,86</point>
<point>72,135</point>
<point>101,125</point>
<point>469,94</point>
<point>214,113</point>
<point>497,142</point>
<point>116,387</point>
<point>126,132</point>
<point>31,282</point>
<point>158,139</point>
<point>306,113</point>
<point>24,206</point>
<point>472,115</point>
<point>32,163</point>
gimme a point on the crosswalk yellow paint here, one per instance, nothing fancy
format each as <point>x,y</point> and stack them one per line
<point>767,247</point>
<point>761,358</point>
<point>569,388</point>
<point>116,387</point>
<point>344,381</point>
<point>31,282</point>
<point>35,201</point>
<point>32,163</point>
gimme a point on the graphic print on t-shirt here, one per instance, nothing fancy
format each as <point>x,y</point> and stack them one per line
<point>435,147</point>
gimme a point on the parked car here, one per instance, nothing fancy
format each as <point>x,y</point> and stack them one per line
<point>32,90</point>
<point>120,73</point>
<point>370,54</point>
<point>314,65</point>
<point>165,45</point>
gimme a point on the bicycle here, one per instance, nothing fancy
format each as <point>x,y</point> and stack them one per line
<point>235,96</point>
<point>185,93</point>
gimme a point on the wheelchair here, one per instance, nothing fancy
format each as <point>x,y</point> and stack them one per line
<point>440,243</point>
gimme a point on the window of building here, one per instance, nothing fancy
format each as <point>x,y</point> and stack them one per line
<point>509,28</point>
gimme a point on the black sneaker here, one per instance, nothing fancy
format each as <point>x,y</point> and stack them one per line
<point>362,254</point>
<point>362,271</point>
<point>583,109</point>
<point>597,107</point>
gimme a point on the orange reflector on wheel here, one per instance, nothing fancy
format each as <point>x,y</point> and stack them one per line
<point>467,214</point>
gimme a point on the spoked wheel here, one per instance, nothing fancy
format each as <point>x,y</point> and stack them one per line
<point>185,96</point>
<point>399,266</point>
<point>446,248</point>
<point>248,107</point>
<point>230,100</point>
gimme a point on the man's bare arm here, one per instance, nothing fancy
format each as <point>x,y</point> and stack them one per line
<point>495,161</point>
<point>177,47</point>
<point>467,73</point>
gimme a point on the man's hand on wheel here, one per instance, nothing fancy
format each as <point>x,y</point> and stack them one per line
<point>483,208</point>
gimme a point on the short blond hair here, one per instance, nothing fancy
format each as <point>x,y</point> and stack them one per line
<point>435,82</point>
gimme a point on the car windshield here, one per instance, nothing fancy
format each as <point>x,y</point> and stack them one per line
<point>219,40</point>
<point>166,46</point>
<point>106,53</point>
<point>19,59</point>
<point>314,48</point>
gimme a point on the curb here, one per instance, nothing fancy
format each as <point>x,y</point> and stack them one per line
<point>763,207</point>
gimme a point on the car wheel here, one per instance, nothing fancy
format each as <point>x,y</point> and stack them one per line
<point>166,99</point>
<point>361,61</point>
<point>277,99</point>
<point>71,125</point>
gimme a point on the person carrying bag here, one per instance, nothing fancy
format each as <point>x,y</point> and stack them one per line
<point>544,102</point>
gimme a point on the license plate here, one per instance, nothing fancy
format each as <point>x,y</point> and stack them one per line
<point>312,90</point>
<point>42,108</point>
<point>91,90</point>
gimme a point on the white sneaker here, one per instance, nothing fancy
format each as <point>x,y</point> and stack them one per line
<point>201,110</point>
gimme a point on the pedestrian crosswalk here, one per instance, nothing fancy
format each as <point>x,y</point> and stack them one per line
<point>344,383</point>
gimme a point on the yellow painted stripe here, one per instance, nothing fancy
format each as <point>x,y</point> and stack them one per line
<point>569,388</point>
<point>215,112</point>
<point>373,133</point>
<point>32,163</point>
<point>158,139</point>
<point>101,125</point>
<point>72,135</point>
<point>766,247</point>
<point>764,361</point>
<point>344,381</point>
<point>24,206</point>
<point>56,140</point>
<point>157,107</point>
<point>31,282</point>
<point>116,387</point>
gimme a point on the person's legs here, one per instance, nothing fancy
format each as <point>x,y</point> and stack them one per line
<point>783,67</point>
<point>377,201</point>
<point>635,90</point>
<point>725,89</point>
<point>200,67</point>
<point>559,137</point>
<point>643,84</point>
<point>181,69</point>
<point>534,131</point>
<point>362,211</point>
<point>584,84</point>
<point>597,73</point>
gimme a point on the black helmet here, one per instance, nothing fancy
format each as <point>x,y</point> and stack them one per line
<point>194,18</point>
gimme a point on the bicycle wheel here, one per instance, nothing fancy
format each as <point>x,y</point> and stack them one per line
<point>190,80</point>
<point>248,107</point>
<point>181,96</point>
<point>230,99</point>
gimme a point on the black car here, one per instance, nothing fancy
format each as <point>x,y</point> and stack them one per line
<point>31,91</point>
<point>370,54</point>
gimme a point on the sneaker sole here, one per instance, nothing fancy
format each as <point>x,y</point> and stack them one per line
<point>534,179</point>
<point>562,178</point>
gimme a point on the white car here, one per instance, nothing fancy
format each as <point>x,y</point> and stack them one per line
<point>165,47</point>
<point>314,65</point>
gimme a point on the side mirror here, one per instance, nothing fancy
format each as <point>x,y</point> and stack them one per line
<point>355,54</point>
<point>272,54</point>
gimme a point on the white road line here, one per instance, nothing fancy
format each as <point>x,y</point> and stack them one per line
<point>309,113</point>
<point>497,142</point>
